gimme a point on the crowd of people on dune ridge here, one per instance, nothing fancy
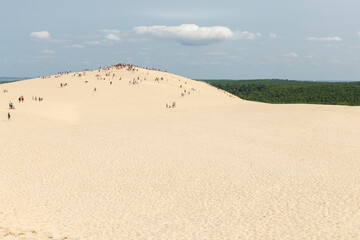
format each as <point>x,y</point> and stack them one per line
<point>132,67</point>
<point>108,75</point>
<point>127,66</point>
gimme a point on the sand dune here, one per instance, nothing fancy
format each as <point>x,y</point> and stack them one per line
<point>118,164</point>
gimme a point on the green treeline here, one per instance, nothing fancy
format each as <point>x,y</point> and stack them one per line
<point>285,91</point>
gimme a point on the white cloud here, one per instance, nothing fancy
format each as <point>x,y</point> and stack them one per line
<point>325,39</point>
<point>75,46</point>
<point>46,51</point>
<point>294,55</point>
<point>40,35</point>
<point>113,37</point>
<point>273,35</point>
<point>189,34</point>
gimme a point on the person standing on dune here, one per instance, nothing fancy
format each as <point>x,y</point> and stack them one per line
<point>9,116</point>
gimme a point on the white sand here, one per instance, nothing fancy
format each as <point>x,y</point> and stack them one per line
<point>117,164</point>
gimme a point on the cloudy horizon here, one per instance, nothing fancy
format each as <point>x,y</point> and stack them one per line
<point>288,40</point>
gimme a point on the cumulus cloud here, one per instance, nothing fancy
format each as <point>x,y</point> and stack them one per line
<point>191,34</point>
<point>293,55</point>
<point>40,35</point>
<point>325,39</point>
<point>113,37</point>
<point>46,51</point>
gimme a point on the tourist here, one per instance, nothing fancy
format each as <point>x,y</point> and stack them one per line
<point>11,106</point>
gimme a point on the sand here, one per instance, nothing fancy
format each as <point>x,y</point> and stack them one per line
<point>118,164</point>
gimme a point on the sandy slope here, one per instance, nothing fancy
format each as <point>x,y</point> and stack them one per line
<point>118,164</point>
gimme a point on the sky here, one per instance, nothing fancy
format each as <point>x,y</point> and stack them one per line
<point>237,39</point>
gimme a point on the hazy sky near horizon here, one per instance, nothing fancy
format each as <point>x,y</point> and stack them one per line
<point>304,40</point>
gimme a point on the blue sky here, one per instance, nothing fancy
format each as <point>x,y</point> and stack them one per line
<point>305,40</point>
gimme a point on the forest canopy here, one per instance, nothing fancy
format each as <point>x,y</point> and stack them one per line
<point>287,91</point>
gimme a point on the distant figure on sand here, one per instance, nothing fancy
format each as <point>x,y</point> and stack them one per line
<point>94,89</point>
<point>8,116</point>
<point>11,106</point>
<point>21,99</point>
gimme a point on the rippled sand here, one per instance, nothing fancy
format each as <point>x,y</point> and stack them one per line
<point>118,164</point>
